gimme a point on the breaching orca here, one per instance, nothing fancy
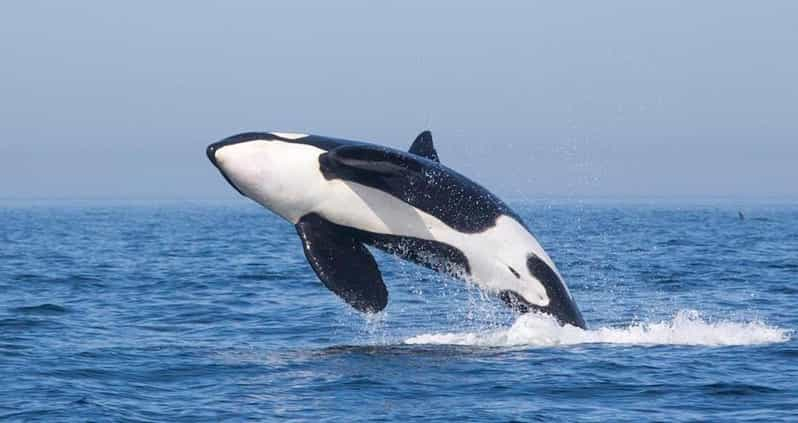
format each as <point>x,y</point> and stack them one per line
<point>342,195</point>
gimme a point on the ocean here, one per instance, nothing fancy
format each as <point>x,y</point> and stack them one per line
<point>203,311</point>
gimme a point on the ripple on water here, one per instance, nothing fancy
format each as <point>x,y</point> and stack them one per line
<point>738,389</point>
<point>22,323</point>
<point>42,309</point>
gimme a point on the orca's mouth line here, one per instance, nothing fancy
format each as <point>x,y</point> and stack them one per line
<point>211,153</point>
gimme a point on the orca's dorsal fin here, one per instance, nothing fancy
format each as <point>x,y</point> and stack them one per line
<point>342,263</point>
<point>423,147</point>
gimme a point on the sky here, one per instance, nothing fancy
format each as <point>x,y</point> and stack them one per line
<point>118,100</point>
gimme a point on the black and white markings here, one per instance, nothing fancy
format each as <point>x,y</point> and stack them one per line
<point>343,194</point>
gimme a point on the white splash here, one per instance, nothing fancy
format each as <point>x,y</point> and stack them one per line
<point>686,328</point>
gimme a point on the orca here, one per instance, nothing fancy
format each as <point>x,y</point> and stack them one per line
<point>344,195</point>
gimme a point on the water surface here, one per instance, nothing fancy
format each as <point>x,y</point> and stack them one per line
<point>209,312</point>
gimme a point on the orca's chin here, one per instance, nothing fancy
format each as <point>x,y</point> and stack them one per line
<point>211,153</point>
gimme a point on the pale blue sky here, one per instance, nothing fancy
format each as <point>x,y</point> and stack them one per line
<point>577,99</point>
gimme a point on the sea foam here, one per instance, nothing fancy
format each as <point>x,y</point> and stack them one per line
<point>687,327</point>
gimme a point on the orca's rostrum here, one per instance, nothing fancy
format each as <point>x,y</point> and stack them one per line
<point>343,195</point>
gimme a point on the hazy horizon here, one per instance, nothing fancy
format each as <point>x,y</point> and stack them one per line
<point>532,100</point>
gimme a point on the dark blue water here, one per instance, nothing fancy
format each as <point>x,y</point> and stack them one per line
<point>209,312</point>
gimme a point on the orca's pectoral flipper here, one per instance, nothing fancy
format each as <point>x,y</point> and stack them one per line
<point>423,147</point>
<point>343,264</point>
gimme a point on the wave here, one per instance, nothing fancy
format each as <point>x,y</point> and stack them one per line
<point>687,327</point>
<point>40,309</point>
